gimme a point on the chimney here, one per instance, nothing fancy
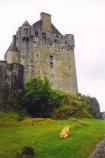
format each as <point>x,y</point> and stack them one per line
<point>46,22</point>
<point>14,40</point>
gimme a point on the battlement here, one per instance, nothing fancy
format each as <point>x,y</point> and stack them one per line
<point>43,31</point>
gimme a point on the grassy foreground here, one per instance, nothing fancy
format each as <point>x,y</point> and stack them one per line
<point>43,136</point>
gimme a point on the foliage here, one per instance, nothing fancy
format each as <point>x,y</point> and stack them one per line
<point>65,111</point>
<point>26,152</point>
<point>13,103</point>
<point>38,98</point>
<point>73,105</point>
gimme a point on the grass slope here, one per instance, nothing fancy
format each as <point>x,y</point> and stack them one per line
<point>43,136</point>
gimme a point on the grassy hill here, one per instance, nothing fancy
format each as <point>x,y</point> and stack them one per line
<point>43,136</point>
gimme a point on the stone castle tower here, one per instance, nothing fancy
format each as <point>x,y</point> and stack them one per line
<point>40,50</point>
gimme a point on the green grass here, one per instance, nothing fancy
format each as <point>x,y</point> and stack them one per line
<point>43,136</point>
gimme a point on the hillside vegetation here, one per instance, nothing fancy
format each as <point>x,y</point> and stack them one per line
<point>38,99</point>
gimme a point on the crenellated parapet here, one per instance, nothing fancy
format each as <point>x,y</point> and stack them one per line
<point>42,32</point>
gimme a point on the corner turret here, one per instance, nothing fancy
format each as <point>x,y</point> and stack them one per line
<point>26,23</point>
<point>69,41</point>
<point>12,54</point>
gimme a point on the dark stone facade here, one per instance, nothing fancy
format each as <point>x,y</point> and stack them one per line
<point>11,78</point>
<point>95,108</point>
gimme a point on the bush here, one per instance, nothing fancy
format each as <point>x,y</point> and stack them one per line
<point>65,111</point>
<point>38,98</point>
<point>26,152</point>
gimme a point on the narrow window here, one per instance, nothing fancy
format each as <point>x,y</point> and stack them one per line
<point>43,35</point>
<point>55,40</point>
<point>70,47</point>
<point>69,67</point>
<point>25,39</point>
<point>36,34</point>
<point>36,38</point>
<point>51,62</point>
<point>31,37</point>
<point>26,30</point>
<point>51,58</point>
<point>57,36</point>
<point>51,65</point>
<point>62,46</point>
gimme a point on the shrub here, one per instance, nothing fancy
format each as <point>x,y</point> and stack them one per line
<point>26,152</point>
<point>38,98</point>
<point>65,111</point>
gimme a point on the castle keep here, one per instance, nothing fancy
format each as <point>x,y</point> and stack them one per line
<point>39,50</point>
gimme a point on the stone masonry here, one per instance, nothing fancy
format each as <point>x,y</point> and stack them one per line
<point>11,78</point>
<point>42,51</point>
<point>99,151</point>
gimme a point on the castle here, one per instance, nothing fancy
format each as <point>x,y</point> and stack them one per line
<point>39,50</point>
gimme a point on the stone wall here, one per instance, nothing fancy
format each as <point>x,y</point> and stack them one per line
<point>44,51</point>
<point>11,79</point>
<point>3,80</point>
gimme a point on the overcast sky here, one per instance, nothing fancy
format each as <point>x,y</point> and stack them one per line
<point>83,18</point>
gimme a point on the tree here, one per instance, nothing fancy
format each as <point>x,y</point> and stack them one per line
<point>38,98</point>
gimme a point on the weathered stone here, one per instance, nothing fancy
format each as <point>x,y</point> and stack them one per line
<point>43,51</point>
<point>11,78</point>
<point>99,151</point>
<point>95,108</point>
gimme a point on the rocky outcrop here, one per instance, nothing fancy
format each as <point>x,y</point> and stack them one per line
<point>99,152</point>
<point>95,108</point>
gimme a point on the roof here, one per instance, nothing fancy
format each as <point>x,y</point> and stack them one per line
<point>12,47</point>
<point>38,24</point>
<point>26,23</point>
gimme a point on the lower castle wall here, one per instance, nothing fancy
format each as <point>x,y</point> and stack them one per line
<point>11,79</point>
